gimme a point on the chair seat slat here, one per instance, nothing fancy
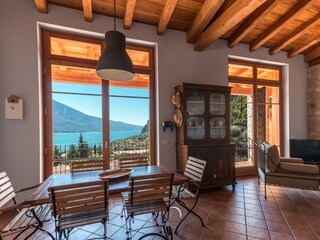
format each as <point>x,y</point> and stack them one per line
<point>83,195</point>
<point>133,161</point>
<point>87,165</point>
<point>4,179</point>
<point>193,171</point>
<point>77,205</point>
<point>7,199</point>
<point>15,220</point>
<point>80,202</point>
<point>192,177</point>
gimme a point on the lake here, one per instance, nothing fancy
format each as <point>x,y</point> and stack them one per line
<point>90,137</point>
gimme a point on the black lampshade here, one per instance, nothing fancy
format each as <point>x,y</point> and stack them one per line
<point>114,63</point>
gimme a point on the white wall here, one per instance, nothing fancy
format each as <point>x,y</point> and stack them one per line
<point>19,139</point>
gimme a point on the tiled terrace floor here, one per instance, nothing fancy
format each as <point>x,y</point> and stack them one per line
<point>241,214</point>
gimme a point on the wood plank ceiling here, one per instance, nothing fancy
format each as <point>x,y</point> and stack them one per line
<point>280,25</point>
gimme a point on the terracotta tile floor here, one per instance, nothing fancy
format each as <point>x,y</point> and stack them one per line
<point>241,214</point>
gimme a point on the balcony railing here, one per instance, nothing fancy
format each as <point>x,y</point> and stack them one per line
<point>244,150</point>
<point>65,154</point>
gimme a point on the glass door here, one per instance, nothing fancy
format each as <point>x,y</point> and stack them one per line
<point>87,118</point>
<point>255,109</point>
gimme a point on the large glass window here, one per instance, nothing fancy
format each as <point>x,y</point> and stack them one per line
<point>255,108</point>
<point>87,118</point>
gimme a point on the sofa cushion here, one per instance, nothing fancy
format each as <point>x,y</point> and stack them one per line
<point>296,168</point>
<point>273,158</point>
<point>291,160</point>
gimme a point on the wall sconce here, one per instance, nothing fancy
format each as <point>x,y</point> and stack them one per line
<point>167,124</point>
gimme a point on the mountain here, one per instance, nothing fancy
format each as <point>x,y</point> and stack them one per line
<point>70,120</point>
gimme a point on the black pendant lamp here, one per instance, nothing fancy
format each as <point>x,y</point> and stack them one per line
<point>114,63</point>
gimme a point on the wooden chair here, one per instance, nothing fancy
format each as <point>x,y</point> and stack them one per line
<point>193,171</point>
<point>149,194</point>
<point>133,161</point>
<point>17,218</point>
<point>87,165</point>
<point>79,204</point>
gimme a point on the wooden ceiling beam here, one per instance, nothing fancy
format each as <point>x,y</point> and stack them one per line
<point>300,48</point>
<point>252,21</point>
<point>42,5</point>
<point>128,13</point>
<point>87,10</point>
<point>228,19</point>
<point>311,55</point>
<point>300,31</point>
<point>315,62</point>
<point>281,23</point>
<point>205,14</point>
<point>166,15</point>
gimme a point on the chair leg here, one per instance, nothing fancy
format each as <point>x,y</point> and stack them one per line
<point>265,189</point>
<point>43,230</point>
<point>104,222</point>
<point>16,237</point>
<point>190,210</point>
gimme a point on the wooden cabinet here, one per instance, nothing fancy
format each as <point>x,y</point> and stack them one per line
<point>203,131</point>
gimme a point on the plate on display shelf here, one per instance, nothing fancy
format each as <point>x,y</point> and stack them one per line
<point>176,100</point>
<point>115,173</point>
<point>178,117</point>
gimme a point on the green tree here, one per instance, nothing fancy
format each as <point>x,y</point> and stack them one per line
<point>56,153</point>
<point>146,127</point>
<point>83,147</point>
<point>72,152</point>
<point>99,150</point>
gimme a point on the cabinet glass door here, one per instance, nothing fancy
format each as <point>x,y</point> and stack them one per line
<point>195,121</point>
<point>218,117</point>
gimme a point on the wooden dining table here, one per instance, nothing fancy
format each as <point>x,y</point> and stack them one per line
<point>40,194</point>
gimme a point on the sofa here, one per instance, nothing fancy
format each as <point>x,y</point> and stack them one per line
<point>289,172</point>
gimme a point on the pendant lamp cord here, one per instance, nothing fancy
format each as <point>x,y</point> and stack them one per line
<point>114,16</point>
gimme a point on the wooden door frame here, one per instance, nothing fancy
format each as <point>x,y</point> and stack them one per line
<point>254,81</point>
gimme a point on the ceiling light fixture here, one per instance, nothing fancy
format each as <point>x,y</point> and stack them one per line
<point>115,63</point>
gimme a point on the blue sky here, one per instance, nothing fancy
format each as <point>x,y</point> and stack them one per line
<point>129,110</point>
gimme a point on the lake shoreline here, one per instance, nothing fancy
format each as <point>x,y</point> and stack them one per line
<point>91,137</point>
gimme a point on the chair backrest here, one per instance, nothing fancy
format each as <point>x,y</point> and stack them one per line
<point>86,165</point>
<point>194,169</point>
<point>79,198</point>
<point>150,187</point>
<point>7,192</point>
<point>133,161</point>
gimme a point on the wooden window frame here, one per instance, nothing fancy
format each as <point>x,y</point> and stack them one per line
<point>48,59</point>
<point>255,82</point>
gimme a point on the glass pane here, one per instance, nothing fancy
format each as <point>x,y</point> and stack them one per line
<point>237,70</point>
<point>74,75</point>
<point>129,126</point>
<point>76,49</point>
<point>76,128</point>
<point>75,88</point>
<point>268,74</point>
<point>195,103</point>
<point>139,87</point>
<point>242,90</point>
<point>195,128</point>
<point>217,104</point>
<point>217,127</point>
<point>267,94</point>
<point>138,57</point>
<point>269,123</point>
<point>241,112</point>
